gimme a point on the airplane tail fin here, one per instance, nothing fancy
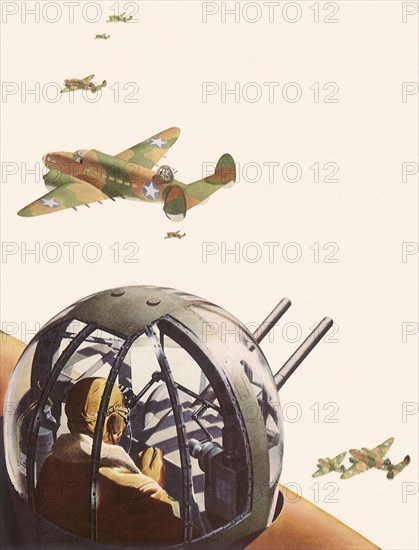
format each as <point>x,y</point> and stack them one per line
<point>397,468</point>
<point>225,171</point>
<point>180,199</point>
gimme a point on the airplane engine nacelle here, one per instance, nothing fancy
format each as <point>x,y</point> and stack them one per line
<point>196,386</point>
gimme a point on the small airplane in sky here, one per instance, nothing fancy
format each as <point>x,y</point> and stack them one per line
<point>86,83</point>
<point>119,18</point>
<point>365,459</point>
<point>327,465</point>
<point>175,235</point>
<point>88,176</point>
<point>361,461</point>
<point>103,36</point>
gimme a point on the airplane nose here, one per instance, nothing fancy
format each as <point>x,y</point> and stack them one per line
<point>49,160</point>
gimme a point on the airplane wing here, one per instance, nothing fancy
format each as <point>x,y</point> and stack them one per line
<point>381,450</point>
<point>321,471</point>
<point>88,79</point>
<point>357,467</point>
<point>149,152</point>
<point>68,195</point>
<point>68,88</point>
<point>326,465</point>
<point>339,458</point>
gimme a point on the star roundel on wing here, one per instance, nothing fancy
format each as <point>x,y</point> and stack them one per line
<point>50,203</point>
<point>158,142</point>
<point>151,191</point>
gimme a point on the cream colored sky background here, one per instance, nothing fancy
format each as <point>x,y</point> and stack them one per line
<point>368,371</point>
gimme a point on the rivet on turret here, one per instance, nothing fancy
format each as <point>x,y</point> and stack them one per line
<point>153,302</point>
<point>117,293</point>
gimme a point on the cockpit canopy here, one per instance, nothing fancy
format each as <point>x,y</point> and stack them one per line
<point>196,386</point>
<point>79,155</point>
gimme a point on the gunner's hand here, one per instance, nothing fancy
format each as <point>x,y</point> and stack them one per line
<point>152,464</point>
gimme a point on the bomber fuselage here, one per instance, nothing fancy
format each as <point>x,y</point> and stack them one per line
<point>369,458</point>
<point>112,175</point>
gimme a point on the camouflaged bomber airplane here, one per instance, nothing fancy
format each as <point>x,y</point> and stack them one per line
<point>119,18</point>
<point>365,459</point>
<point>175,235</point>
<point>327,465</point>
<point>73,84</point>
<point>89,176</point>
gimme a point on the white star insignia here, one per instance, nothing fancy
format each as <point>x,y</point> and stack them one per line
<point>50,203</point>
<point>151,191</point>
<point>158,142</point>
